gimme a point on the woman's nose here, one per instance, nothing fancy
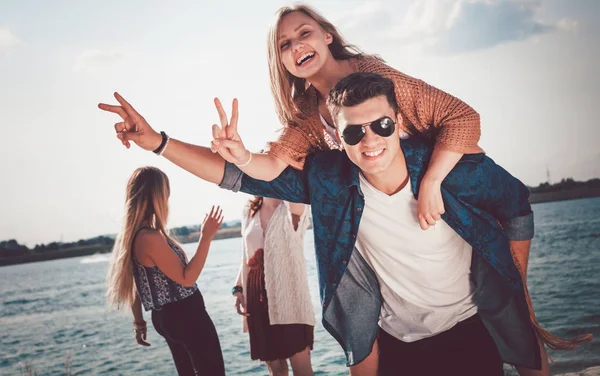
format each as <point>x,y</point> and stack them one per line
<point>297,46</point>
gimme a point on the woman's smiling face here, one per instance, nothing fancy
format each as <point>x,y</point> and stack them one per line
<point>303,44</point>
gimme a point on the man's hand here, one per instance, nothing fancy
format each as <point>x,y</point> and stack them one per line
<point>133,127</point>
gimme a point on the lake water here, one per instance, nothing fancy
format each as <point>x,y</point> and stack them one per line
<point>56,309</point>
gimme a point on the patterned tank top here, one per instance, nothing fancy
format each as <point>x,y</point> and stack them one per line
<point>155,288</point>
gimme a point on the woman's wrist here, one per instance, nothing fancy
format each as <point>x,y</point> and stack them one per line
<point>139,326</point>
<point>246,161</point>
<point>205,239</point>
<point>237,289</point>
<point>432,180</point>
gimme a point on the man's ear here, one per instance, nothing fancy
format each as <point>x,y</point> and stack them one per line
<point>339,139</point>
<point>398,119</point>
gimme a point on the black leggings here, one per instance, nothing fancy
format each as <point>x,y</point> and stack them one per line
<point>191,336</point>
<point>467,350</point>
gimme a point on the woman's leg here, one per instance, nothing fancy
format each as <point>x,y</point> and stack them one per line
<point>187,322</point>
<point>278,367</point>
<point>203,346</point>
<point>301,363</point>
<point>181,358</point>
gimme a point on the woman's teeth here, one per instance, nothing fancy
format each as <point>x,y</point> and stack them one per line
<point>305,57</point>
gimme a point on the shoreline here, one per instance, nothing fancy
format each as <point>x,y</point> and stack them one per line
<point>564,195</point>
<point>235,232</point>
<point>89,250</point>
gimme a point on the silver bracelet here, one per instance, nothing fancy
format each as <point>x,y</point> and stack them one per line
<point>164,147</point>
<point>244,164</point>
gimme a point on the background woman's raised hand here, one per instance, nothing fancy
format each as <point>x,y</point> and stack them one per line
<point>212,223</point>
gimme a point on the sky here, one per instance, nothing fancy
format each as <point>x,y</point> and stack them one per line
<point>528,67</point>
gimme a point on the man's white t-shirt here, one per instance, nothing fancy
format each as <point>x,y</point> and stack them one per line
<point>424,276</point>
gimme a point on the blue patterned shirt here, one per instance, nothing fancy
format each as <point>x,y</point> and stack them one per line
<point>483,203</point>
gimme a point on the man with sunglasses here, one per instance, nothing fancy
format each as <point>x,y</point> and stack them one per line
<point>448,300</point>
<point>445,301</point>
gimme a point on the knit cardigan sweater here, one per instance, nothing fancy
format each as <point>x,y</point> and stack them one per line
<point>425,110</point>
<point>286,280</point>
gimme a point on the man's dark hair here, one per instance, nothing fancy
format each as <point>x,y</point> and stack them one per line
<point>357,88</point>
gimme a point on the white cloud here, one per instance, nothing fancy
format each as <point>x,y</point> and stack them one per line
<point>359,16</point>
<point>7,40</point>
<point>455,26</point>
<point>99,56</point>
<point>568,24</point>
<point>92,59</point>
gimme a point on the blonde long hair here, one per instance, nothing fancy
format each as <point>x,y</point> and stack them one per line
<point>146,202</point>
<point>284,86</point>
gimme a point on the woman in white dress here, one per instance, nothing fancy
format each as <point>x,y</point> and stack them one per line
<point>271,291</point>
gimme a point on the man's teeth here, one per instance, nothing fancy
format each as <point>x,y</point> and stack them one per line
<point>305,57</point>
<point>373,153</point>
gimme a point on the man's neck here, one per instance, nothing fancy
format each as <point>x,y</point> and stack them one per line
<point>393,179</point>
<point>329,75</point>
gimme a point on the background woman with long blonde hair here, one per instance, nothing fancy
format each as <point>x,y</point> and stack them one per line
<point>149,268</point>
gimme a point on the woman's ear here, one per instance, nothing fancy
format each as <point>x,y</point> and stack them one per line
<point>328,38</point>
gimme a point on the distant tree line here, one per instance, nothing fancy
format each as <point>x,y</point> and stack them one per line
<point>11,248</point>
<point>565,184</point>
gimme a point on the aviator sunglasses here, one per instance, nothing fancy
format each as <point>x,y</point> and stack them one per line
<point>383,127</point>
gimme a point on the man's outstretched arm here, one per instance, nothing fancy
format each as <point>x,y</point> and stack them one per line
<point>291,185</point>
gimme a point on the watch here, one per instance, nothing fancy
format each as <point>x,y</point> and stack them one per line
<point>236,289</point>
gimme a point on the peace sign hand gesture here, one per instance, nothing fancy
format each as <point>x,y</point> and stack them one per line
<point>133,127</point>
<point>226,140</point>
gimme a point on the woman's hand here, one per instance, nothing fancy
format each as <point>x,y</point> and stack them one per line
<point>430,205</point>
<point>226,140</point>
<point>141,331</point>
<point>212,223</point>
<point>240,304</point>
<point>133,127</point>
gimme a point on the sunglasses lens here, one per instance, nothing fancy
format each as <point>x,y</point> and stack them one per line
<point>383,127</point>
<point>353,134</point>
